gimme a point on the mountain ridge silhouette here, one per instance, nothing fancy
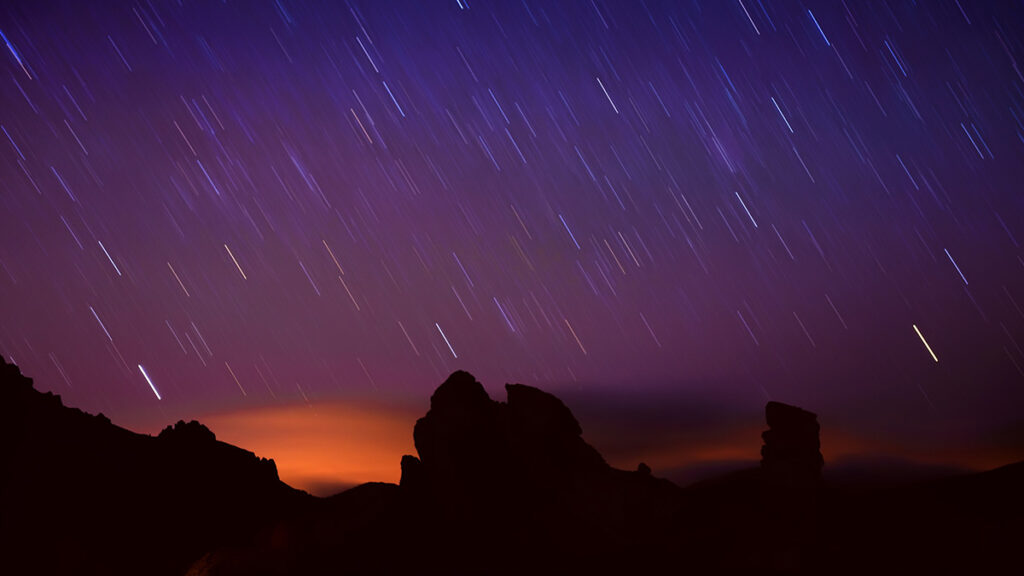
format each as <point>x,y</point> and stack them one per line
<point>81,495</point>
<point>495,488</point>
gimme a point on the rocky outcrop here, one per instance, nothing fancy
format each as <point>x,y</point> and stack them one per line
<point>792,449</point>
<point>191,432</point>
<point>79,495</point>
<point>791,464</point>
<point>458,440</point>
<point>467,441</point>
<point>522,468</point>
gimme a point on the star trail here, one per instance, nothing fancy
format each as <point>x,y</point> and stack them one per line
<point>279,202</point>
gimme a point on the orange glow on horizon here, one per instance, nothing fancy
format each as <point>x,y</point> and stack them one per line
<point>326,448</point>
<point>323,448</point>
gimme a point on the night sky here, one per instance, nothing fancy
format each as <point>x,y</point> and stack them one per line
<point>252,212</point>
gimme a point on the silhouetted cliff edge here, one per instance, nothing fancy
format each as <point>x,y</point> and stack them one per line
<point>79,495</point>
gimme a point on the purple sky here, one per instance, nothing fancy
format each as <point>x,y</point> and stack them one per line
<point>718,202</point>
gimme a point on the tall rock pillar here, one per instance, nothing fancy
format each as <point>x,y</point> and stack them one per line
<point>791,464</point>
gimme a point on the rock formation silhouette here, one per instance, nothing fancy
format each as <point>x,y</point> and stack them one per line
<point>524,463</point>
<point>496,488</point>
<point>791,464</point>
<point>792,449</point>
<point>471,444</point>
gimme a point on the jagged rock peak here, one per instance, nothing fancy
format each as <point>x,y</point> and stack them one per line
<point>460,391</point>
<point>18,391</point>
<point>191,431</point>
<point>11,375</point>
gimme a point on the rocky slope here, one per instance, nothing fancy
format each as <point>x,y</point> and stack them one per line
<point>79,495</point>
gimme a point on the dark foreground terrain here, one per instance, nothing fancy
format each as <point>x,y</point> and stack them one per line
<point>498,488</point>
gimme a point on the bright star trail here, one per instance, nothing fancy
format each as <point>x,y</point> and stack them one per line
<point>446,340</point>
<point>925,342</point>
<point>284,202</point>
<point>150,382</point>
